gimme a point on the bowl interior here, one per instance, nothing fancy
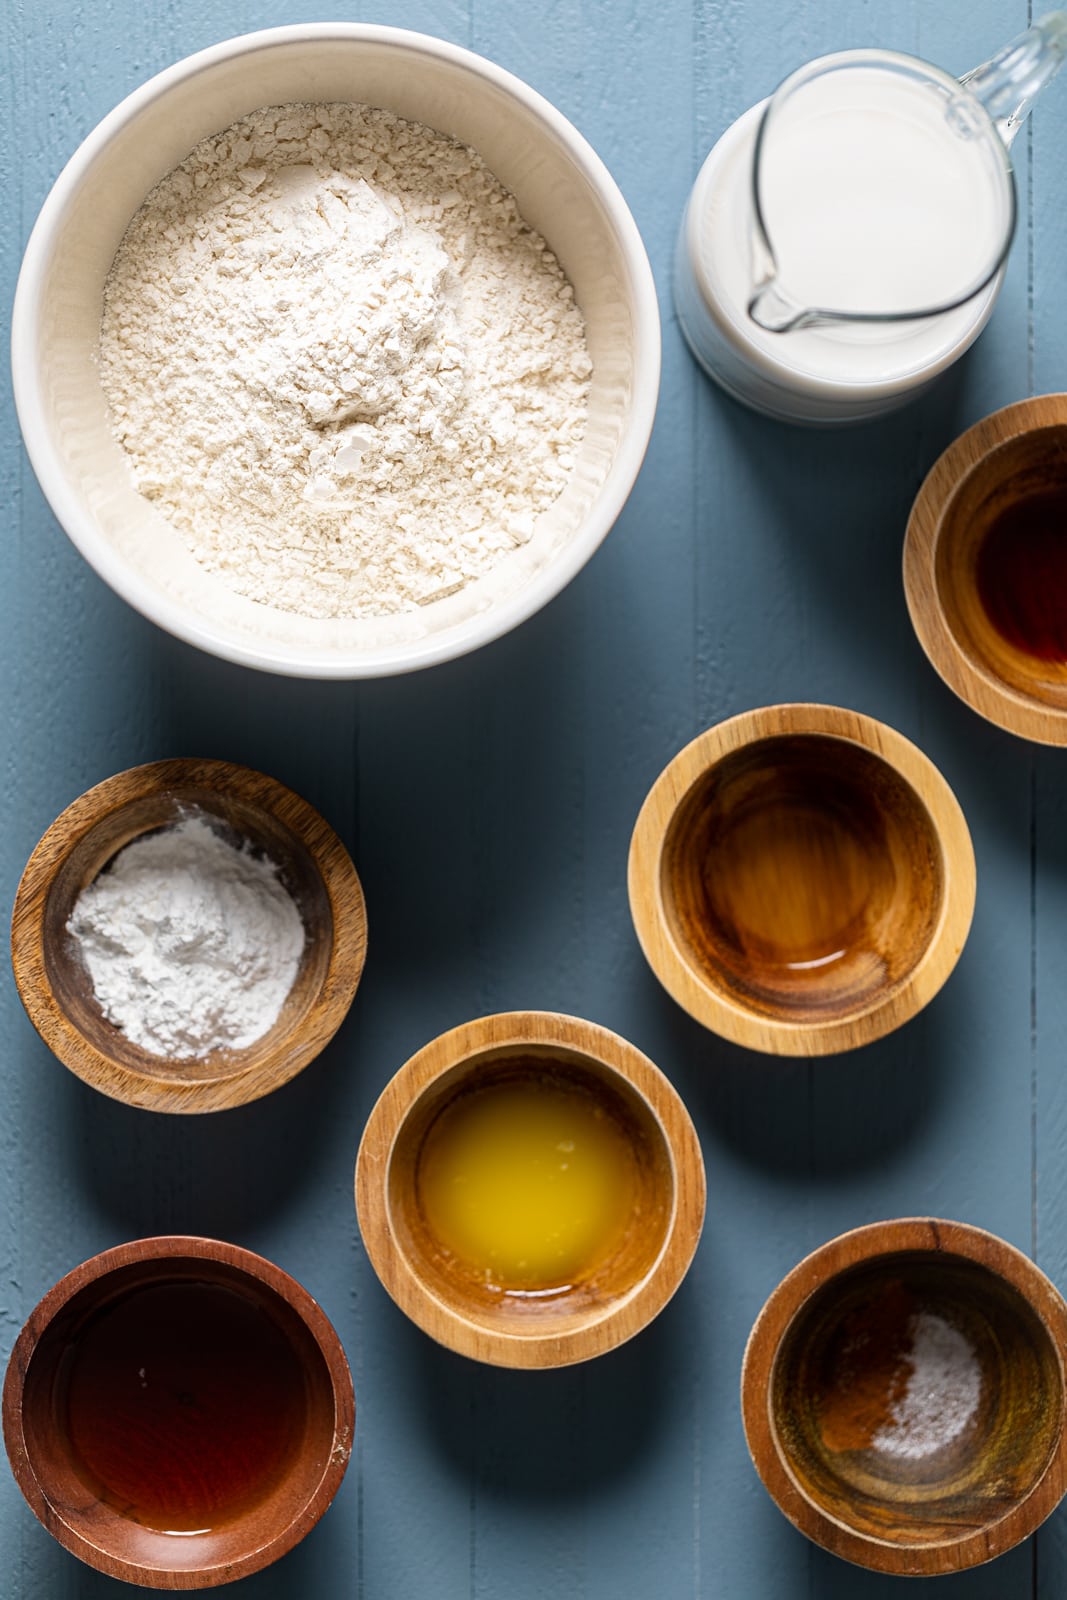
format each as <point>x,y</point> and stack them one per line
<point>802,876</point>
<point>178,1414</point>
<point>916,1398</point>
<point>69,977</point>
<point>86,473</point>
<point>484,1099</point>
<point>1001,565</point>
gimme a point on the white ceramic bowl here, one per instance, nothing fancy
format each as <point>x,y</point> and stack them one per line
<point>563,190</point>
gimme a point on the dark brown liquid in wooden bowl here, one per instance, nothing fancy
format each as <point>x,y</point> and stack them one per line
<point>180,1413</point>
<point>184,1405</point>
<point>1022,573</point>
<point>1001,565</point>
<point>916,1398</point>
<point>803,875</point>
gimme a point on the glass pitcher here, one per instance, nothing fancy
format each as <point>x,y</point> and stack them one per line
<point>845,240</point>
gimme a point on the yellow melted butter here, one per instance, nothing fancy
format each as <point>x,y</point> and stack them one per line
<point>530,1182</point>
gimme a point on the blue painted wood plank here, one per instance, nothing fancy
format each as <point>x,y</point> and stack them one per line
<point>1046,243</point>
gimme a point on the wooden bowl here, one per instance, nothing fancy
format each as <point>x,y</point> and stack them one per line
<point>54,983</point>
<point>985,568</point>
<point>178,1412</point>
<point>903,1396</point>
<point>801,879</point>
<point>594,1311</point>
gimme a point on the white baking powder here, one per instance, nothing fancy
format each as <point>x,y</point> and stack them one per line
<point>341,364</point>
<point>942,1391</point>
<point>192,944</point>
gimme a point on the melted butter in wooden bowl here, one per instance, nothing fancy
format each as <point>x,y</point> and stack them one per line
<point>530,1179</point>
<point>530,1189</point>
<point>537,1178</point>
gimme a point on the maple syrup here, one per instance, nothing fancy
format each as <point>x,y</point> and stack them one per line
<point>184,1405</point>
<point>1021,573</point>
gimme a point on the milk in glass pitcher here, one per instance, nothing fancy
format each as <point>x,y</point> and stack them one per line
<point>845,240</point>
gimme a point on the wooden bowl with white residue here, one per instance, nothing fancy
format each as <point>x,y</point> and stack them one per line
<point>903,1396</point>
<point>313,866</point>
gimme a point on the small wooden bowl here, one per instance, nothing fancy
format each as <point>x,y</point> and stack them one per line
<point>1003,462</point>
<point>288,1475</point>
<point>980,1459</point>
<point>55,986</point>
<point>593,1314</point>
<point>801,879</point>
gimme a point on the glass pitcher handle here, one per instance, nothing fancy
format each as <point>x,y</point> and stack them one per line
<point>1009,83</point>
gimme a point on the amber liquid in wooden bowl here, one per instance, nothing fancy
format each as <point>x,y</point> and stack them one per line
<point>803,875</point>
<point>917,1398</point>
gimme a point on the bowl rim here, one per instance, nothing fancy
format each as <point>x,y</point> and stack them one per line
<point>854,1248</point>
<point>155,1090</point>
<point>713,1007</point>
<point>178,1247</point>
<point>599,1329</point>
<point>295,661</point>
<point>965,674</point>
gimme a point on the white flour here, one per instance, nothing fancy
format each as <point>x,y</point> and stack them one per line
<point>192,944</point>
<point>342,365</point>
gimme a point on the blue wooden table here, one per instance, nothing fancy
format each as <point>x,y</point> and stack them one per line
<point>488,805</point>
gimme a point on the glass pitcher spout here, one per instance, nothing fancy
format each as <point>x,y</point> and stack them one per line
<point>771,308</point>
<point>1008,84</point>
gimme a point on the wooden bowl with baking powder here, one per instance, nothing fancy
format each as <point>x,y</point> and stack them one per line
<point>178,1412</point>
<point>801,879</point>
<point>314,867</point>
<point>985,568</point>
<point>594,1311</point>
<point>903,1396</point>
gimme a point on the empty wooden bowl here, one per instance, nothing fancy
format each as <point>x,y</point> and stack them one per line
<point>178,1412</point>
<point>985,568</point>
<point>801,879</point>
<point>903,1396</point>
<point>571,1151</point>
<point>313,865</point>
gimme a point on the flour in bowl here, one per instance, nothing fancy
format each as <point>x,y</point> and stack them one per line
<point>341,364</point>
<point>192,943</point>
